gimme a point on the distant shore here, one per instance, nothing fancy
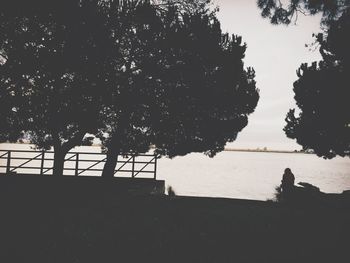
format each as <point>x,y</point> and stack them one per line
<point>263,150</point>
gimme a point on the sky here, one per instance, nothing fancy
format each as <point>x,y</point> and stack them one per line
<point>275,52</point>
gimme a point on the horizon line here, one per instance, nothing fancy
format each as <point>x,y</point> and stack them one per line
<point>257,149</point>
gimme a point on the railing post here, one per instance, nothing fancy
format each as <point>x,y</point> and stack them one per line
<point>155,167</point>
<point>8,165</point>
<point>42,163</point>
<point>133,167</point>
<point>77,164</point>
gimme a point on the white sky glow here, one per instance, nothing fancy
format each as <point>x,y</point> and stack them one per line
<point>275,52</point>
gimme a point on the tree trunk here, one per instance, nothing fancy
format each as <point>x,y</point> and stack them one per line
<point>114,146</point>
<point>58,163</point>
<point>62,149</point>
<point>111,162</point>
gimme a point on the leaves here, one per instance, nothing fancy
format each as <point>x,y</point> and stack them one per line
<point>280,12</point>
<point>322,94</point>
<point>131,73</point>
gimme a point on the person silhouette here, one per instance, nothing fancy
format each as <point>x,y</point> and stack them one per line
<point>287,180</point>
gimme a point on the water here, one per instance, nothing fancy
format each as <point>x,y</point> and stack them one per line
<point>251,175</point>
<point>248,175</point>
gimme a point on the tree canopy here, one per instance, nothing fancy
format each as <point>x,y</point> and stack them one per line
<point>59,62</point>
<point>194,96</point>
<point>134,73</point>
<point>322,94</point>
<point>284,12</point>
<point>322,121</point>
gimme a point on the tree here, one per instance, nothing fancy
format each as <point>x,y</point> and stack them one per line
<point>284,13</point>
<point>64,64</point>
<point>117,69</point>
<point>184,6</point>
<point>190,94</point>
<point>58,64</point>
<point>322,93</point>
<point>322,124</point>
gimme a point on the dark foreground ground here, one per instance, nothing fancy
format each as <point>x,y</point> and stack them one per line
<point>104,228</point>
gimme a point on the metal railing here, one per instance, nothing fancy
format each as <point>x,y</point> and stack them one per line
<point>76,163</point>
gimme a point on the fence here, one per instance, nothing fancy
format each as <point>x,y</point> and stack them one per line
<point>76,163</point>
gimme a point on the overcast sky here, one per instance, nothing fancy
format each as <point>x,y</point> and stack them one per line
<point>275,52</point>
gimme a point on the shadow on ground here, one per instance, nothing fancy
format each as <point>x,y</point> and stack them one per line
<point>104,227</point>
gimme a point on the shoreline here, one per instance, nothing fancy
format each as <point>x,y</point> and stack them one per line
<point>264,151</point>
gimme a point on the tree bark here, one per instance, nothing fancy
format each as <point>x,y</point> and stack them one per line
<point>111,162</point>
<point>58,163</point>
<point>114,146</point>
<point>62,150</point>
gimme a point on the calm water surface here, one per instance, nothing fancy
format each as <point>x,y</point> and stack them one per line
<point>247,175</point>
<point>251,175</point>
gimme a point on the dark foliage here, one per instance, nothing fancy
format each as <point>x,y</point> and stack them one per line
<point>322,94</point>
<point>184,6</point>
<point>322,91</point>
<point>284,13</point>
<point>58,63</point>
<point>190,92</point>
<point>306,195</point>
<point>133,73</point>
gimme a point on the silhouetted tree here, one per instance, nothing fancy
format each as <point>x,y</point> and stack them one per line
<point>64,65</point>
<point>133,73</point>
<point>184,6</point>
<point>280,12</point>
<point>191,92</point>
<point>322,94</point>
<point>59,62</point>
